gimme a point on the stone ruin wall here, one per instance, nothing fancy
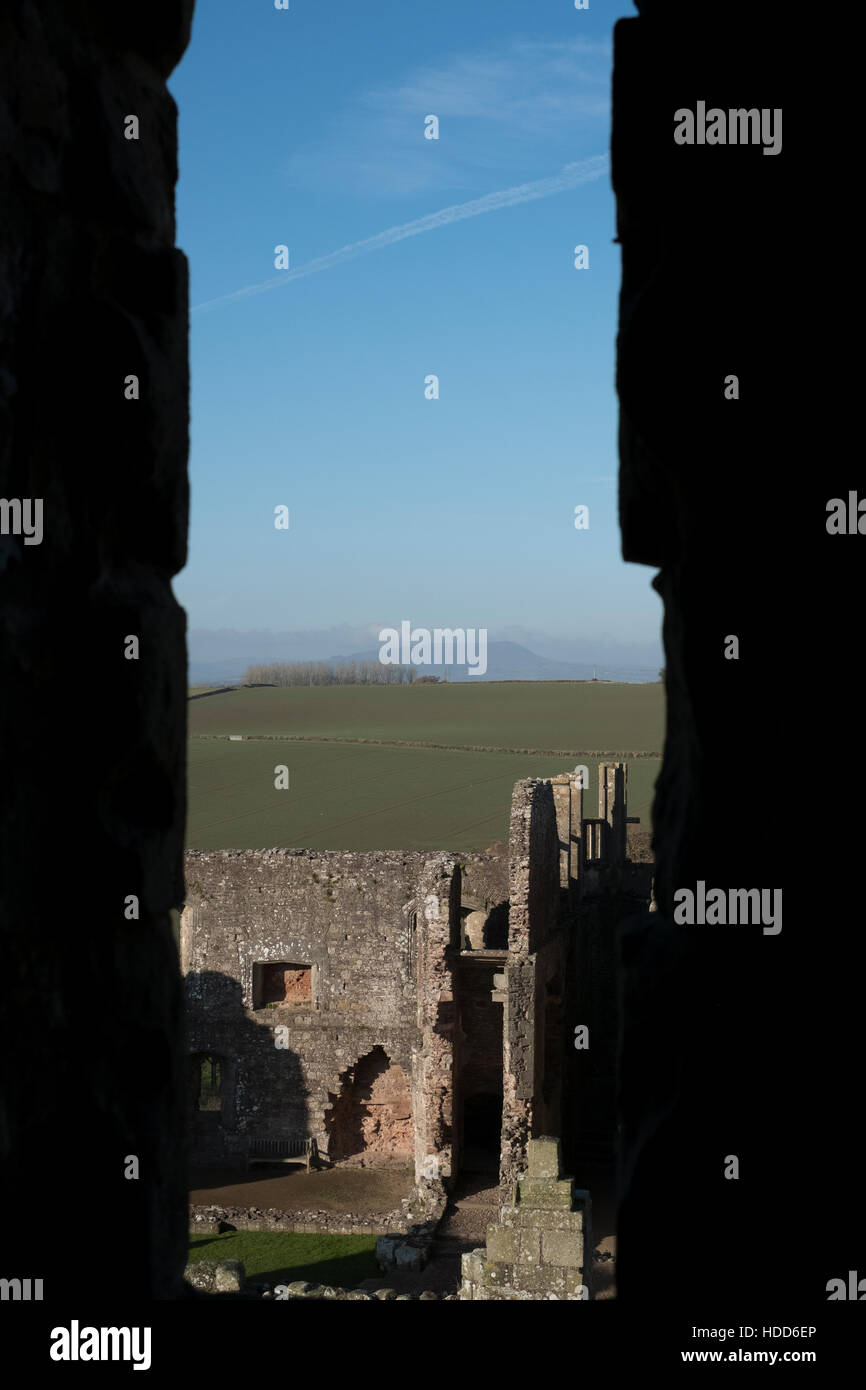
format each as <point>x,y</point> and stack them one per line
<point>349,917</point>
<point>534,959</point>
<point>377,1062</point>
<point>377,931</point>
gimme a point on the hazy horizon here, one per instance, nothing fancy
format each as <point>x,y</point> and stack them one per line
<point>513,653</point>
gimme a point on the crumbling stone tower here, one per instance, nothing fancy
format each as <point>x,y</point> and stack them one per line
<point>569,883</point>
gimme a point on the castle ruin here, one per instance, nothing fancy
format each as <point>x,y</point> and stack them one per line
<point>410,1007</point>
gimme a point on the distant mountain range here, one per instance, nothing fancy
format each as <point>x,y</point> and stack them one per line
<point>506,661</point>
<point>509,661</point>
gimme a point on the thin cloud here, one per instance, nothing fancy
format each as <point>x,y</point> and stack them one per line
<point>570,176</point>
<point>504,108</point>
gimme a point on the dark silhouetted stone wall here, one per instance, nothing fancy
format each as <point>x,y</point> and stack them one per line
<point>92,745</point>
<point>736,1042</point>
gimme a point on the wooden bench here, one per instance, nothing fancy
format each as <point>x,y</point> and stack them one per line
<point>282,1151</point>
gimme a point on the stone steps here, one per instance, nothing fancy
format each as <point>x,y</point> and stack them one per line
<point>464,1225</point>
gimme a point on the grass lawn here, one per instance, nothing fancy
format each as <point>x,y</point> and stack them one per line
<point>278,1257</point>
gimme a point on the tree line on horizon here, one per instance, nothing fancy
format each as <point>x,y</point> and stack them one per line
<point>334,673</point>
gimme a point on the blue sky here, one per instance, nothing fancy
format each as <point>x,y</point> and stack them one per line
<point>306,128</point>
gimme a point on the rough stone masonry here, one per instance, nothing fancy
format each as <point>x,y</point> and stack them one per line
<point>410,1008</point>
<point>538,1248</point>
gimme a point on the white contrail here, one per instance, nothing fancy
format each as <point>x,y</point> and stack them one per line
<point>568,177</point>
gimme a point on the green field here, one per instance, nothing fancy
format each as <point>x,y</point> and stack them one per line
<point>519,714</point>
<point>278,1257</point>
<point>393,792</point>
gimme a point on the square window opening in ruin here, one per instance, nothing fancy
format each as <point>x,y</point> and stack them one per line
<point>279,984</point>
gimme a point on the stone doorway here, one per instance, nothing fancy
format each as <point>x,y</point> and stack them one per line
<point>480,1081</point>
<point>482,1132</point>
<point>370,1120</point>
